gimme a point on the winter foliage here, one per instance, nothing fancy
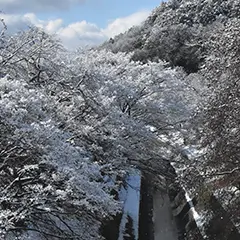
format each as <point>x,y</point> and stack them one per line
<point>67,121</point>
<point>202,37</point>
<point>72,124</point>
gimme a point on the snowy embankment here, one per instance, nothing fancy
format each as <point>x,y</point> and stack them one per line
<point>203,209</point>
<point>130,196</point>
<point>200,219</point>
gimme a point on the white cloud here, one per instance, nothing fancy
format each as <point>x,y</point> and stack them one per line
<point>75,34</point>
<point>122,24</point>
<point>53,25</point>
<point>20,22</point>
<point>81,34</point>
<point>13,6</point>
<point>84,33</point>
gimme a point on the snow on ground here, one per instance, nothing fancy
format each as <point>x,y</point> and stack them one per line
<point>130,196</point>
<point>201,219</point>
<point>198,219</point>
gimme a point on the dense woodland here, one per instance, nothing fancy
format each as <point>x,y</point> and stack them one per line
<point>72,124</point>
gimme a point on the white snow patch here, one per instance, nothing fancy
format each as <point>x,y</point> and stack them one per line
<point>198,218</point>
<point>131,198</point>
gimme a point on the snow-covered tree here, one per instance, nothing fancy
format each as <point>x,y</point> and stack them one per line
<point>221,116</point>
<point>70,121</point>
<point>50,188</point>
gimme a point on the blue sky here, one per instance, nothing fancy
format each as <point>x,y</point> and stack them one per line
<point>102,11</point>
<point>77,22</point>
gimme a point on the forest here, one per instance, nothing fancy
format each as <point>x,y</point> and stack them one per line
<point>73,124</point>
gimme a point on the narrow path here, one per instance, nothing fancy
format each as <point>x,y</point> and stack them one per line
<point>164,225</point>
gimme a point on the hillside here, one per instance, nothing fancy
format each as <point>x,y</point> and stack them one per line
<point>203,38</point>
<point>177,31</point>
